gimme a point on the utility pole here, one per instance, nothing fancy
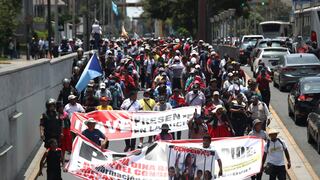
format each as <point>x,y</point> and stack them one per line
<point>49,25</point>
<point>74,28</point>
<point>87,35</point>
<point>202,19</point>
<point>56,24</point>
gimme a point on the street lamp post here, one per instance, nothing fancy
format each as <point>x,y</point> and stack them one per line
<point>231,13</point>
<point>212,29</point>
<point>49,25</point>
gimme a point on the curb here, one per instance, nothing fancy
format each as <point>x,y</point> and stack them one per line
<point>33,169</point>
<point>291,142</point>
<point>296,148</point>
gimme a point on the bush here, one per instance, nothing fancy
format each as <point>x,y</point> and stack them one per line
<point>183,32</point>
<point>42,34</point>
<point>39,20</point>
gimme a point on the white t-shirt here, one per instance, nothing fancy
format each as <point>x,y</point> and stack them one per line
<point>275,152</point>
<point>216,157</point>
<point>149,63</point>
<point>70,109</point>
<point>96,28</point>
<point>136,106</point>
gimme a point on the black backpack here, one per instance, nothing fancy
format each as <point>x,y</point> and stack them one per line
<point>277,139</point>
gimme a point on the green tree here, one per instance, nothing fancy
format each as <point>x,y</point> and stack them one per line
<point>184,13</point>
<point>9,10</point>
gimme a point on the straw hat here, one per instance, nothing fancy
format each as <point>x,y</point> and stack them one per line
<point>217,107</point>
<point>273,131</point>
<point>90,120</point>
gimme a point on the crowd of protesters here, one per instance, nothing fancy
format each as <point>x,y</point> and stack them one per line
<point>172,73</point>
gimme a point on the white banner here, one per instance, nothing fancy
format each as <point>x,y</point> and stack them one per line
<point>125,125</point>
<point>241,158</point>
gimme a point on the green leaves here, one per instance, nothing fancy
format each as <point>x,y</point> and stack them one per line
<point>9,9</point>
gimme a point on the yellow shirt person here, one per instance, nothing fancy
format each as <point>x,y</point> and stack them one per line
<point>147,104</point>
<point>104,104</point>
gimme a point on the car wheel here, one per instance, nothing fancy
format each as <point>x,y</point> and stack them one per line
<point>289,110</point>
<point>309,138</point>
<point>296,118</point>
<point>274,83</point>
<point>318,144</point>
<point>281,87</point>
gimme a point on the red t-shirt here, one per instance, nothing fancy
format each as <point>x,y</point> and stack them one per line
<point>263,83</point>
<point>165,138</point>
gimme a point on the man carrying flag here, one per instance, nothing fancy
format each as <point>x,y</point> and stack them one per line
<point>92,70</point>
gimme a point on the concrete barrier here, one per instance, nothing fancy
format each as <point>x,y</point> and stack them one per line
<point>233,52</point>
<point>25,88</point>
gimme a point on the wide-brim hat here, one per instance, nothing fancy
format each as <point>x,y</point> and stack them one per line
<point>256,121</point>
<point>217,107</point>
<point>90,120</point>
<point>70,97</point>
<point>273,131</point>
<point>165,127</point>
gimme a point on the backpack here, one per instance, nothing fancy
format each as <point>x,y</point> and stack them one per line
<point>277,139</point>
<point>115,96</point>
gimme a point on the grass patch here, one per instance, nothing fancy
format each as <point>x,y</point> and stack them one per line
<point>3,58</point>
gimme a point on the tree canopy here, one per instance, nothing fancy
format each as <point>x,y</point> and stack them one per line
<point>9,10</point>
<point>184,13</point>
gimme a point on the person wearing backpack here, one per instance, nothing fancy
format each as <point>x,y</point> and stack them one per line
<point>257,131</point>
<point>147,104</point>
<point>274,152</point>
<point>131,104</point>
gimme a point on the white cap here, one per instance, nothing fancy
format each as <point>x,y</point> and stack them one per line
<point>216,93</point>
<point>194,52</point>
<point>193,60</point>
<point>213,53</point>
<point>102,85</point>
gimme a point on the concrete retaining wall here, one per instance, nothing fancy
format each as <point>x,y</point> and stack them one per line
<point>233,52</point>
<point>24,90</point>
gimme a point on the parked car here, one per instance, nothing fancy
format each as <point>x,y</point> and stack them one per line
<point>313,128</point>
<point>291,67</point>
<point>247,38</point>
<point>270,56</point>
<point>262,43</point>
<point>304,98</point>
<point>244,51</point>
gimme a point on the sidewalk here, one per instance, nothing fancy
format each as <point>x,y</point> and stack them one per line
<point>300,167</point>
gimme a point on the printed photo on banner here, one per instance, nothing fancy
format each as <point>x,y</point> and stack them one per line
<point>190,163</point>
<point>180,159</point>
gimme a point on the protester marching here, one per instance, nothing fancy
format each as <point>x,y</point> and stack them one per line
<point>186,86</point>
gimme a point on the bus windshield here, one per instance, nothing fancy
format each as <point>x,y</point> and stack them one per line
<point>270,27</point>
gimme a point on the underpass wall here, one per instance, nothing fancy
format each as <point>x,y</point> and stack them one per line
<point>233,52</point>
<point>24,90</point>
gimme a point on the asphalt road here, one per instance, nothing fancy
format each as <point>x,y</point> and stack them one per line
<point>279,102</point>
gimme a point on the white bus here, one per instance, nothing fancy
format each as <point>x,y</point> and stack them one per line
<point>274,29</point>
<point>307,24</point>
